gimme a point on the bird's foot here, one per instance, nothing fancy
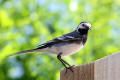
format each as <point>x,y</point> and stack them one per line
<point>70,68</point>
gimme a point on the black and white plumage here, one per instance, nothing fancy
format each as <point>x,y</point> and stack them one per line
<point>65,45</point>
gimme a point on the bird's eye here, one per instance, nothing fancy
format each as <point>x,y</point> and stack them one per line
<point>83,24</point>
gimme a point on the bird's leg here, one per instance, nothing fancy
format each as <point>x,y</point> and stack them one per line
<point>64,62</point>
<point>59,58</point>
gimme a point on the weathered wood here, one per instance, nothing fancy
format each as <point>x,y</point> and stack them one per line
<point>107,68</point>
<point>79,73</point>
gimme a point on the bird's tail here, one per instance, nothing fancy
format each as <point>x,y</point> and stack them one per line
<point>24,52</point>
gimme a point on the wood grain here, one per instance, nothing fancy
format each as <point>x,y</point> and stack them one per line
<point>84,72</point>
<point>107,68</point>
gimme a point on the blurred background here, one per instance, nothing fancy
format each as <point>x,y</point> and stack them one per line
<point>24,24</point>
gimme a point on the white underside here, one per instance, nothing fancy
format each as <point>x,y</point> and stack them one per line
<point>65,50</point>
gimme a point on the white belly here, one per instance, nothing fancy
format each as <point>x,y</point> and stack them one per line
<point>65,49</point>
<point>70,49</point>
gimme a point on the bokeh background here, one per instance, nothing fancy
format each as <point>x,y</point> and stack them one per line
<point>24,24</point>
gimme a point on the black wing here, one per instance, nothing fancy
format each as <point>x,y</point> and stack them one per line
<point>59,40</point>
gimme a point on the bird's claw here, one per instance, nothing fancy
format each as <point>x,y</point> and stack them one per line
<point>70,68</point>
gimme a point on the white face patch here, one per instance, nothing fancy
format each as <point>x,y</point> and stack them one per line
<point>88,24</point>
<point>82,25</point>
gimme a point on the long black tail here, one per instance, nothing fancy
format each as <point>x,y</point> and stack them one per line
<point>24,52</point>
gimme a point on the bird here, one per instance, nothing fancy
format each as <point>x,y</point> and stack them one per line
<point>67,44</point>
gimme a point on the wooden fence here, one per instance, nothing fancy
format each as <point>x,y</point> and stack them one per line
<point>107,68</point>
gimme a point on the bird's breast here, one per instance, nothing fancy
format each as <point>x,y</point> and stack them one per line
<point>65,49</point>
<point>70,48</point>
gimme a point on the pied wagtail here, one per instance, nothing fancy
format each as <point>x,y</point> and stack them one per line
<point>65,45</point>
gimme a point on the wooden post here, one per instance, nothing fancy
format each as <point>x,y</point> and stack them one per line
<point>107,68</point>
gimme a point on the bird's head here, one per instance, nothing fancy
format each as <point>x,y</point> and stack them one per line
<point>84,27</point>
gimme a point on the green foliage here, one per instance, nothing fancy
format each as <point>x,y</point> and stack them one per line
<point>27,23</point>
